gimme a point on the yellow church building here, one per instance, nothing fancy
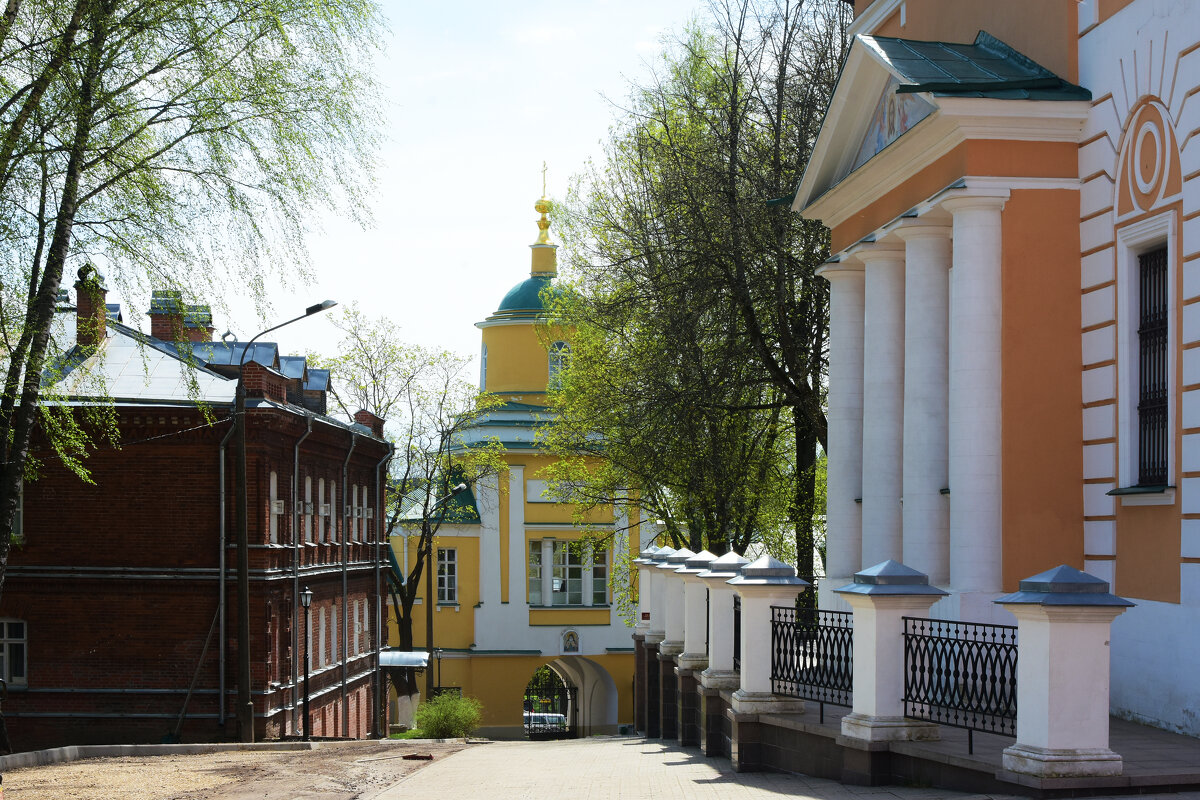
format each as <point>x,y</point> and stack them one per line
<point>512,594</point>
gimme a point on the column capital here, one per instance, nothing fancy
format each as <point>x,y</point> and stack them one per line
<point>920,228</point>
<point>884,250</point>
<point>846,267</point>
<point>981,201</point>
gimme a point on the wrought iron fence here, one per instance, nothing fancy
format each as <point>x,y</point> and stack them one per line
<point>961,674</point>
<point>812,654</point>
<point>737,633</point>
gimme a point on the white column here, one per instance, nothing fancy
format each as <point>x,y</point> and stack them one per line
<point>547,572</point>
<point>763,583</point>
<point>843,512</point>
<point>883,403</point>
<point>975,371</point>
<point>658,609</point>
<point>720,673</point>
<point>926,511</point>
<point>673,599</point>
<point>695,615</point>
<point>644,598</point>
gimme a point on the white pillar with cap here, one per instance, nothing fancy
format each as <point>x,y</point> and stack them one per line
<point>1064,617</point>
<point>881,596</point>
<point>695,595</point>
<point>673,601</point>
<point>720,673</point>
<point>658,605</point>
<point>645,562</point>
<point>763,583</point>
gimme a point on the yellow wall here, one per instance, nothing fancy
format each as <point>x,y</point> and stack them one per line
<point>517,359</point>
<point>453,626</point>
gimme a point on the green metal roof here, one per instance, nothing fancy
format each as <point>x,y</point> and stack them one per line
<point>987,68</point>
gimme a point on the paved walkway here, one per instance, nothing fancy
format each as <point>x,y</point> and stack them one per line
<point>610,768</point>
<point>628,768</point>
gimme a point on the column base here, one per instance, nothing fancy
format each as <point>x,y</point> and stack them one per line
<point>1084,762</point>
<point>693,661</point>
<point>888,729</point>
<point>654,637</point>
<point>666,648</point>
<point>720,679</point>
<point>765,703</point>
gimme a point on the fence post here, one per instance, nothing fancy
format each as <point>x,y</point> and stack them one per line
<point>881,596</point>
<point>720,675</point>
<point>654,638</point>
<point>763,583</point>
<point>644,561</point>
<point>672,645</point>
<point>1064,617</point>
<point>694,656</point>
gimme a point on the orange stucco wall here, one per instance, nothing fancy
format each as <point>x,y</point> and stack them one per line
<point>1043,430</point>
<point>979,157</point>
<point>1148,537</point>
<point>1050,41</point>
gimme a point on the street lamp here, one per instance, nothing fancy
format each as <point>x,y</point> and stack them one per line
<point>245,706</point>
<point>306,602</point>
<point>429,599</point>
<point>438,652</point>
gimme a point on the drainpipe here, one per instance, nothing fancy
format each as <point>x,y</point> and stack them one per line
<point>347,521</point>
<point>381,541</point>
<point>221,582</point>
<point>296,565</point>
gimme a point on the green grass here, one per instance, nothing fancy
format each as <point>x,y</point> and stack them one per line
<point>415,733</point>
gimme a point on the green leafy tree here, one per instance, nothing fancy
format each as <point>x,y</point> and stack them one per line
<point>684,240</point>
<point>171,142</point>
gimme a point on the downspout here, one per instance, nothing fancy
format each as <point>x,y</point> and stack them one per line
<point>378,719</point>
<point>296,565</point>
<point>221,583</point>
<point>347,521</point>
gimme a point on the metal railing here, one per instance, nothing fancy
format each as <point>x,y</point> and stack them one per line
<point>812,654</point>
<point>737,633</point>
<point>961,674</point>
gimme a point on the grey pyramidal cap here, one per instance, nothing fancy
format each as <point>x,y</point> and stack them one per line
<point>660,555</point>
<point>1064,586</point>
<point>676,559</point>
<point>646,556</point>
<point>697,563</point>
<point>725,567</point>
<point>768,571</point>
<point>890,578</point>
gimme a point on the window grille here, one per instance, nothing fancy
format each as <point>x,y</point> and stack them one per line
<point>1152,369</point>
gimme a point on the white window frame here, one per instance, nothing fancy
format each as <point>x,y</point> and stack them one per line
<point>548,549</point>
<point>274,517</point>
<point>308,510</point>
<point>483,369</point>
<point>447,590</point>
<point>1133,240</point>
<point>558,362</point>
<point>6,643</point>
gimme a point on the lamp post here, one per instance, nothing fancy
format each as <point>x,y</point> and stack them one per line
<point>306,602</point>
<point>429,598</point>
<point>245,706</point>
<point>438,652</point>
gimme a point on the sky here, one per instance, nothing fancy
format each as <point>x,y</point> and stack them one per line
<point>477,94</point>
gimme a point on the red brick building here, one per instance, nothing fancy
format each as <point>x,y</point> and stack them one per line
<point>118,614</point>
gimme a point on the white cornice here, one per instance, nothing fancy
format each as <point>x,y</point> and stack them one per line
<point>875,15</point>
<point>956,121</point>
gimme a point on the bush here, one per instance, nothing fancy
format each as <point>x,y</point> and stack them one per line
<point>448,716</point>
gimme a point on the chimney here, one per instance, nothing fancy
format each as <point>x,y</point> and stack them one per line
<point>91,313</point>
<point>368,419</point>
<point>171,320</point>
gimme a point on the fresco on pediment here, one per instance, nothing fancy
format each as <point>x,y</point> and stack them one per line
<point>894,114</point>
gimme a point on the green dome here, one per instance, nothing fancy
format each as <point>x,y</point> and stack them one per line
<point>525,298</point>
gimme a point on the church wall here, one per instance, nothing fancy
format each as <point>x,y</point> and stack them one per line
<point>517,359</point>
<point>1041,455</point>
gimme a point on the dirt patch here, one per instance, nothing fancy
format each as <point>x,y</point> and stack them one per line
<point>333,771</point>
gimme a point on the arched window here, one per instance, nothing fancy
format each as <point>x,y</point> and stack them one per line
<point>483,369</point>
<point>560,361</point>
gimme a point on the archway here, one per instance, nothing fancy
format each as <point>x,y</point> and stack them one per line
<point>550,706</point>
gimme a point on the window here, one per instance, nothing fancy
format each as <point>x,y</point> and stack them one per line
<point>575,577</point>
<point>483,369</point>
<point>335,650</point>
<point>12,651</point>
<point>274,510</point>
<point>535,573</point>
<point>308,509</point>
<point>333,512</point>
<point>1152,368</point>
<point>321,659</point>
<point>560,361</point>
<point>447,575</point>
<point>322,516</point>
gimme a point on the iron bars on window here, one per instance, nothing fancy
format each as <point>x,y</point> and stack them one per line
<point>812,654</point>
<point>1152,368</point>
<point>962,674</point>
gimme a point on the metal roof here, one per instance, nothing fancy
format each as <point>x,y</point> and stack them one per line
<point>292,366</point>
<point>986,68</point>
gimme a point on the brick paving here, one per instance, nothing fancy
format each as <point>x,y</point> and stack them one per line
<point>625,768</point>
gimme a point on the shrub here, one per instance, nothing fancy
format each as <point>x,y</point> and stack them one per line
<point>447,716</point>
